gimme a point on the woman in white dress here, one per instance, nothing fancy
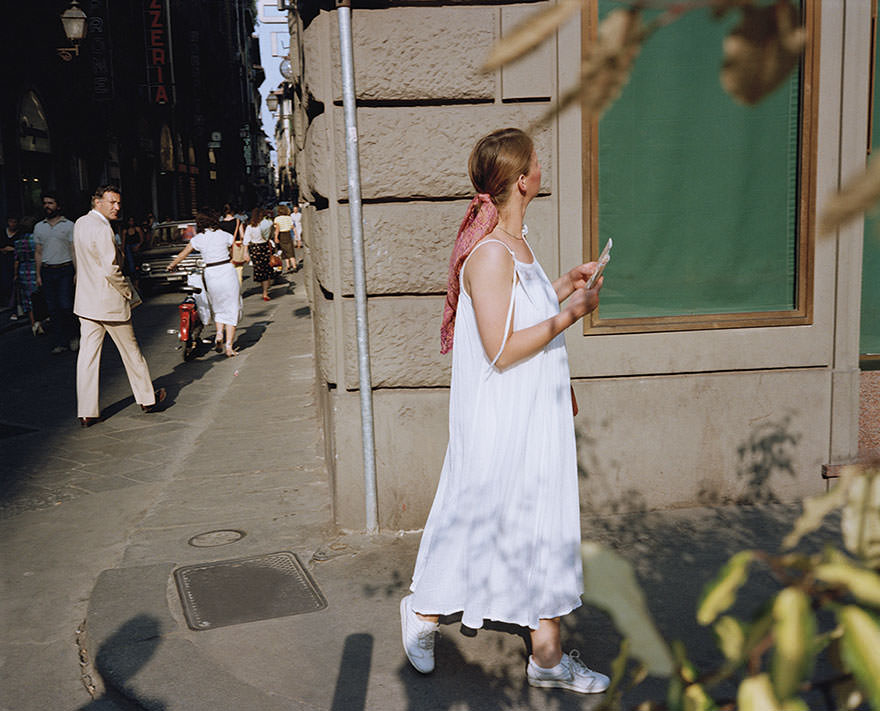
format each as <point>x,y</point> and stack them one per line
<point>502,541</point>
<point>221,281</point>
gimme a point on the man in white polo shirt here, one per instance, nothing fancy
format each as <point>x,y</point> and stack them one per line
<point>56,267</point>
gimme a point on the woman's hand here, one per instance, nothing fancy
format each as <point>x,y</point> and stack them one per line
<point>584,301</point>
<point>573,280</point>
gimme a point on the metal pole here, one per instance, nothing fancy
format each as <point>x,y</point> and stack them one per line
<point>343,9</point>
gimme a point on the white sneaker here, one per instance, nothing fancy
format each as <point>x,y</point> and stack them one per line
<point>571,673</point>
<point>418,637</point>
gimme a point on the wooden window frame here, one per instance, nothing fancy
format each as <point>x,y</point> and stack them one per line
<point>805,227</point>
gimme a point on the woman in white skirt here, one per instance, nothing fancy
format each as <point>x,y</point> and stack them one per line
<point>502,541</point>
<point>221,281</point>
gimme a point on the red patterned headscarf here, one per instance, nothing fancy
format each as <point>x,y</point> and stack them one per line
<point>479,220</point>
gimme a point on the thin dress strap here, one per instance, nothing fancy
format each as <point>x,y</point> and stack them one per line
<point>512,291</point>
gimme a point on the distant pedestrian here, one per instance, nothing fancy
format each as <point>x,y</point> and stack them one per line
<point>221,281</point>
<point>283,229</point>
<point>26,272</point>
<point>259,249</point>
<point>103,303</point>
<point>502,541</point>
<point>297,218</point>
<point>7,265</point>
<point>229,220</point>
<point>132,243</point>
<point>56,267</point>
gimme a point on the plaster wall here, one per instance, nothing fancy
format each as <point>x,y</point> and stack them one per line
<point>667,419</point>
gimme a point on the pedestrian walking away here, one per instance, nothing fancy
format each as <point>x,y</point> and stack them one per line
<point>56,267</point>
<point>258,249</point>
<point>221,281</point>
<point>103,303</point>
<point>502,540</point>
<point>283,228</point>
<point>26,272</point>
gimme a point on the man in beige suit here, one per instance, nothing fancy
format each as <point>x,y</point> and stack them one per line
<point>103,304</point>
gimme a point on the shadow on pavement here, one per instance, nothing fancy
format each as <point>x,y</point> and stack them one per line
<point>350,693</point>
<point>120,658</point>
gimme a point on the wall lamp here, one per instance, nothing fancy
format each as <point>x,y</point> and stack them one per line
<point>74,21</point>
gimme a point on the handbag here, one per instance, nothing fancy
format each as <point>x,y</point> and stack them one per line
<point>274,260</point>
<point>237,255</point>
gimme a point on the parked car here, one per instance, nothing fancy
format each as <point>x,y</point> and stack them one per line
<point>166,240</point>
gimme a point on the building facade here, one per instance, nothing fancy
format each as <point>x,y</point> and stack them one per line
<point>160,97</point>
<point>723,363</point>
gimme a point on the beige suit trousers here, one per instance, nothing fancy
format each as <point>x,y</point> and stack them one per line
<point>88,364</point>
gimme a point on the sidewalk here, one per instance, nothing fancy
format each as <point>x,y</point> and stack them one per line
<point>253,463</point>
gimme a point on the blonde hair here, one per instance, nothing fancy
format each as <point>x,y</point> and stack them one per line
<point>497,160</point>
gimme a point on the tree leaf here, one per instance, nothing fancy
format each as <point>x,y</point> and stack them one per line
<point>859,647</point>
<point>863,584</point>
<point>756,694</point>
<point>696,699</point>
<point>857,195</point>
<point>860,523</point>
<point>609,583</point>
<point>731,636</point>
<point>761,51</point>
<point>793,628</point>
<point>720,594</point>
<point>816,508</point>
<point>530,33</point>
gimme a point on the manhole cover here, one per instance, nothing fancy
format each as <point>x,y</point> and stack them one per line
<point>230,592</point>
<point>209,539</point>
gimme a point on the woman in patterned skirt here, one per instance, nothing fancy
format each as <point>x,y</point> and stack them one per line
<point>26,271</point>
<point>258,249</point>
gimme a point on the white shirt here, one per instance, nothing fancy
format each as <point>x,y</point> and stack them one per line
<point>253,235</point>
<point>213,245</point>
<point>56,240</point>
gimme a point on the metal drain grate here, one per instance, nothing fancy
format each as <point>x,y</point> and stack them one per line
<point>229,592</point>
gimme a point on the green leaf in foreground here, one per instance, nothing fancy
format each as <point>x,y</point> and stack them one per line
<point>731,635</point>
<point>720,594</point>
<point>793,628</point>
<point>610,584</point>
<point>756,694</point>
<point>816,509</point>
<point>863,584</point>
<point>860,647</point>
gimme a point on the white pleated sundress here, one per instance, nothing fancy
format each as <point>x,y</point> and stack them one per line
<point>502,541</point>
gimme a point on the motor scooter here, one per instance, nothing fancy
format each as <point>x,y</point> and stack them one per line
<point>191,310</point>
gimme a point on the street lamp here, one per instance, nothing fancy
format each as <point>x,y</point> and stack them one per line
<point>272,103</point>
<point>74,21</point>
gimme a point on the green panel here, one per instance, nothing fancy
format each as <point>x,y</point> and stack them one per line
<point>698,192</point>
<point>869,342</point>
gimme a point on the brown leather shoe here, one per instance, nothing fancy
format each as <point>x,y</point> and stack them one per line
<point>160,396</point>
<point>88,421</point>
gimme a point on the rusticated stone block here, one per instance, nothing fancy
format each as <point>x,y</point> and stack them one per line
<point>321,244</point>
<point>404,334</point>
<point>412,152</point>
<point>439,61</point>
<point>324,315</point>
<point>410,431</point>
<point>407,245</point>
<point>318,160</point>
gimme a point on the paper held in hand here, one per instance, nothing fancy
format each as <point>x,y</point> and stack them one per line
<point>603,260</point>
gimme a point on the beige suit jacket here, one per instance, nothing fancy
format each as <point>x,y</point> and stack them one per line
<point>102,293</point>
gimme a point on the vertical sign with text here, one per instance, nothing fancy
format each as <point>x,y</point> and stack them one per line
<point>99,54</point>
<point>158,52</point>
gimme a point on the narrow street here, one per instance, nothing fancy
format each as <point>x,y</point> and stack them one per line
<point>71,498</point>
